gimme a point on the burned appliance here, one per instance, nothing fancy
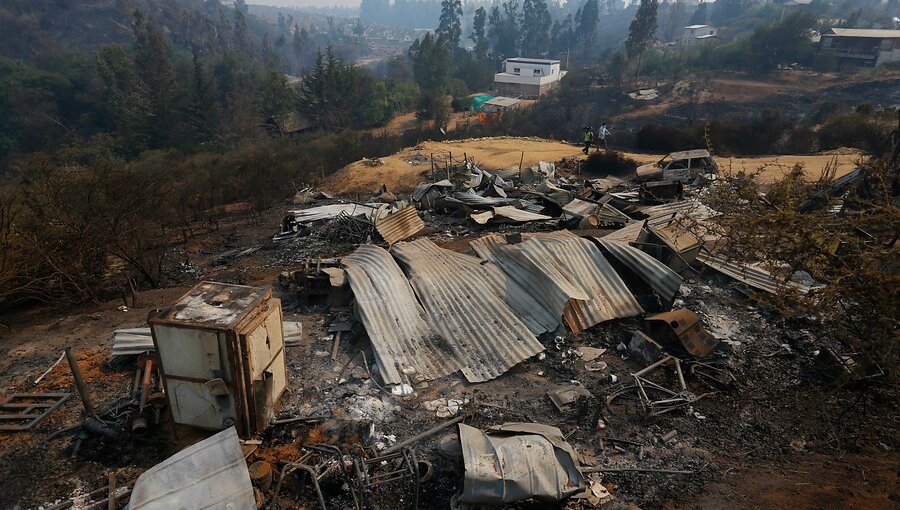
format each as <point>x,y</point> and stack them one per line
<point>221,350</point>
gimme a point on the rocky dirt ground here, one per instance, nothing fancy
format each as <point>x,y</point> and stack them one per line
<point>780,436</point>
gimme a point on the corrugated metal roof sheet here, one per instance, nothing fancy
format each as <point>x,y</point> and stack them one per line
<point>400,225</point>
<point>687,212</point>
<point>659,276</point>
<point>461,300</point>
<point>508,213</point>
<point>132,341</point>
<point>567,274</point>
<point>209,474</point>
<point>529,311</point>
<point>752,275</point>
<point>395,322</point>
<point>693,208</point>
<point>609,296</point>
<point>471,198</point>
<point>327,212</point>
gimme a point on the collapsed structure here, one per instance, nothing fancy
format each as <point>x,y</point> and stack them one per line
<point>545,257</point>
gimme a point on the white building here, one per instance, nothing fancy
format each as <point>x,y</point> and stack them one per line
<point>528,77</point>
<point>699,34</point>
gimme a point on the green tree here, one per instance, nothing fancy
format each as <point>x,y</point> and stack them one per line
<point>202,107</point>
<point>278,97</point>
<point>701,15</point>
<point>587,25</point>
<point>449,29</point>
<point>536,23</point>
<point>431,63</point>
<point>504,29</point>
<point>781,43</point>
<point>727,10</point>
<point>640,32</point>
<point>153,61</point>
<point>479,35</point>
<point>126,97</point>
<point>673,18</point>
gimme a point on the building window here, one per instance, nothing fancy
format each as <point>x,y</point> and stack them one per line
<point>516,70</point>
<point>537,72</point>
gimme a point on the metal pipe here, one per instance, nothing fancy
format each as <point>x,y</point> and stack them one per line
<point>145,385</point>
<point>636,470</point>
<point>651,367</point>
<point>430,432</point>
<point>79,384</point>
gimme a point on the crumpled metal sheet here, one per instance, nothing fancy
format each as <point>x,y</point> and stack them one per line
<point>466,307</point>
<point>751,274</point>
<point>470,198</point>
<point>507,213</point>
<point>606,213</point>
<point>518,461</point>
<point>424,187</point>
<point>566,273</point>
<point>396,324</point>
<point>211,474</point>
<point>400,225</point>
<point>682,326</point>
<point>327,212</point>
<point>659,276</point>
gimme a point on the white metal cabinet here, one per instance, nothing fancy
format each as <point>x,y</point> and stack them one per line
<point>221,349</point>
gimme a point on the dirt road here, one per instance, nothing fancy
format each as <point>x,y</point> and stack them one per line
<point>399,174</point>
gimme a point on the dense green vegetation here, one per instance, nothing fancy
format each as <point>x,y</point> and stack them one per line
<point>118,148</point>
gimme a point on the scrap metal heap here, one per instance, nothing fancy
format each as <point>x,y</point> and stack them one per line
<point>603,251</point>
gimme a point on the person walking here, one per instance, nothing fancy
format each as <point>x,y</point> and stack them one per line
<point>588,139</point>
<point>602,133</point>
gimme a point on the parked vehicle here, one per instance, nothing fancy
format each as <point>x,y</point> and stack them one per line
<point>681,166</point>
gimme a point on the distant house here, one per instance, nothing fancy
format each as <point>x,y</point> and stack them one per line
<point>862,45</point>
<point>528,77</point>
<point>699,34</point>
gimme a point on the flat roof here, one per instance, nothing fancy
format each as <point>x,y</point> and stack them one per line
<point>864,32</point>
<point>694,27</point>
<point>503,101</point>
<point>532,60</point>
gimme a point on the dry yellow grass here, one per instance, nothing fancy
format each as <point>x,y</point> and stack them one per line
<point>505,152</point>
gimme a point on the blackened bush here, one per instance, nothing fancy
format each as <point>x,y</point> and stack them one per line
<point>656,138</point>
<point>759,136</point>
<point>800,141</point>
<point>854,130</point>
<point>608,163</point>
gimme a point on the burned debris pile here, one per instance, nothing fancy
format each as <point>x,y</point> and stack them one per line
<point>402,378</point>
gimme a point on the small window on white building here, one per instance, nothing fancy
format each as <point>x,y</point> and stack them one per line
<point>537,72</point>
<point>516,70</point>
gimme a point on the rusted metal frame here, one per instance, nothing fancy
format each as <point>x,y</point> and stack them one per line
<point>365,482</point>
<point>28,408</point>
<point>398,474</point>
<point>315,472</point>
<point>119,498</point>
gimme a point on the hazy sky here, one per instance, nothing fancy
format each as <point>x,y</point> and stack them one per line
<point>306,3</point>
